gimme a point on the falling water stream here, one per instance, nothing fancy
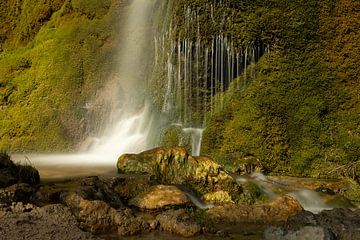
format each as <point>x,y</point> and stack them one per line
<point>132,120</point>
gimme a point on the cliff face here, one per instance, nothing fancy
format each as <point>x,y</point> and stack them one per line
<point>300,112</point>
<point>53,56</point>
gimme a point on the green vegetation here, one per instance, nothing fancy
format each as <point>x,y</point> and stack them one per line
<point>11,173</point>
<point>53,56</point>
<point>299,113</point>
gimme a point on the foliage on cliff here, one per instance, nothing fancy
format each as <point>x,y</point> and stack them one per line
<point>53,55</point>
<point>300,112</point>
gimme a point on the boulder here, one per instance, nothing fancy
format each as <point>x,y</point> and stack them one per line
<point>99,217</point>
<point>337,223</point>
<point>160,196</point>
<point>275,210</point>
<point>175,166</point>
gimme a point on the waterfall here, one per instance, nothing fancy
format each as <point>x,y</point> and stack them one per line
<point>132,123</point>
<point>199,71</point>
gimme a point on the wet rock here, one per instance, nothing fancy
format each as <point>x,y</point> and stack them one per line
<point>91,188</point>
<point>176,166</point>
<point>304,233</point>
<point>343,223</point>
<point>246,165</point>
<point>99,217</point>
<point>178,222</point>
<point>16,193</point>
<point>217,197</point>
<point>26,221</point>
<point>11,173</point>
<point>278,209</point>
<point>160,196</point>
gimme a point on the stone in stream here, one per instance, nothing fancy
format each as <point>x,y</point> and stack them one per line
<point>99,217</point>
<point>175,166</point>
<point>304,233</point>
<point>178,222</point>
<point>278,209</point>
<point>160,196</point>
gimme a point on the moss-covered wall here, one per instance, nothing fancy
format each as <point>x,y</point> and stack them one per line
<point>53,56</point>
<point>300,114</point>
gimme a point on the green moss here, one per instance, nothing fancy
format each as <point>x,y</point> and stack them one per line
<point>297,112</point>
<point>49,73</point>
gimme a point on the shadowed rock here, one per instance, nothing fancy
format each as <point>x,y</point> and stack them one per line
<point>11,173</point>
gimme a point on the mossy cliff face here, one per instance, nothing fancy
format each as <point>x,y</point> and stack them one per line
<point>297,108</point>
<point>53,56</point>
<point>176,166</point>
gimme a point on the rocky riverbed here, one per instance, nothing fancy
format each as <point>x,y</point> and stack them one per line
<point>165,193</point>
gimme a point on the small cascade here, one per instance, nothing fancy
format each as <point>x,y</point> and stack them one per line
<point>196,137</point>
<point>309,200</point>
<point>198,71</point>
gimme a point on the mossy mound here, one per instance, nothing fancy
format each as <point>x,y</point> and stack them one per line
<point>176,166</point>
<point>11,173</point>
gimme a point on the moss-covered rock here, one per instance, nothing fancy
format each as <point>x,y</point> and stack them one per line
<point>278,209</point>
<point>160,196</point>
<point>217,197</point>
<point>176,166</point>
<point>11,173</point>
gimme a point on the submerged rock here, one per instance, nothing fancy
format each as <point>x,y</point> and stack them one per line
<point>337,223</point>
<point>304,233</point>
<point>176,166</point>
<point>160,196</point>
<point>178,222</point>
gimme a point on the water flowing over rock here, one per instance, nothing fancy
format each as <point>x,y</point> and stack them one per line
<point>176,166</point>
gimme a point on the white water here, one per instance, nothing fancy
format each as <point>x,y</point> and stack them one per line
<point>196,137</point>
<point>308,199</point>
<point>131,119</point>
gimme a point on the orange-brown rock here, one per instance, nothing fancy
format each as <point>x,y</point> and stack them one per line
<point>160,196</point>
<point>278,209</point>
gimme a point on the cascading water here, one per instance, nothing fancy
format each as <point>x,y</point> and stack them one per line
<point>309,200</point>
<point>196,137</point>
<point>198,71</point>
<point>131,119</point>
